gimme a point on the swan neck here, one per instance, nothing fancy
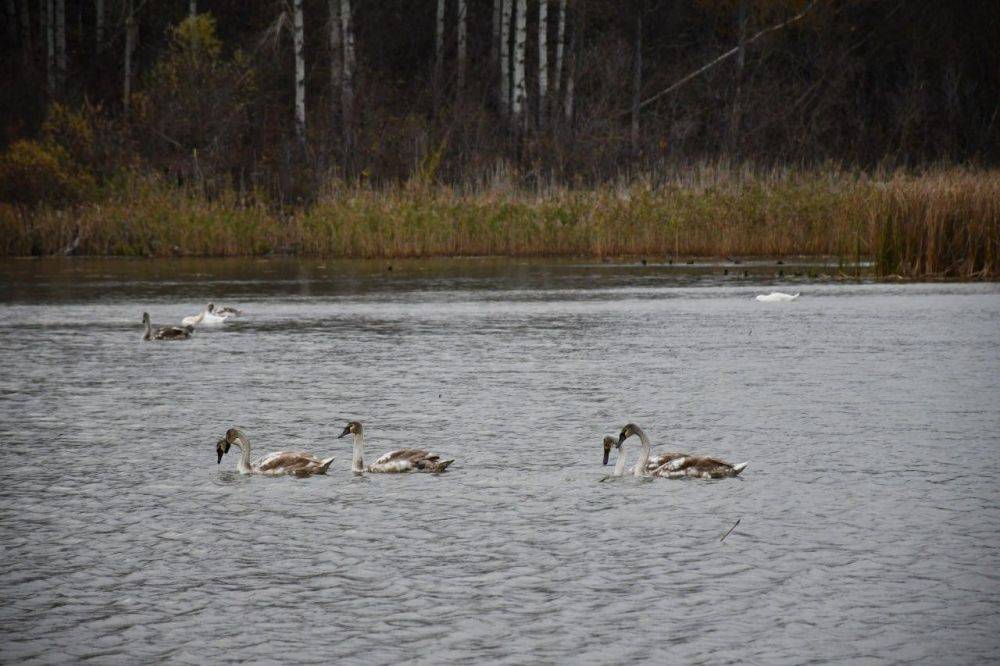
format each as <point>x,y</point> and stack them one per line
<point>640,466</point>
<point>243,464</point>
<point>149,330</point>
<point>357,462</point>
<point>620,463</point>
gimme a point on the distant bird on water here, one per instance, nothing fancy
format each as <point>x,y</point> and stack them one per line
<point>776,297</point>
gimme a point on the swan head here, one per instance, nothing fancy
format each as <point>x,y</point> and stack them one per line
<point>145,317</point>
<point>627,431</point>
<point>609,443</point>
<point>210,307</point>
<point>352,428</point>
<point>234,436</point>
<point>189,328</point>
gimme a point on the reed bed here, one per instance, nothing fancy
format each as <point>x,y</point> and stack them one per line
<point>937,224</point>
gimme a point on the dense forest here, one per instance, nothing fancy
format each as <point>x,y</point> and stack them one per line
<point>281,94</point>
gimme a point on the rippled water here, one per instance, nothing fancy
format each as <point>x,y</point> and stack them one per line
<point>870,415</point>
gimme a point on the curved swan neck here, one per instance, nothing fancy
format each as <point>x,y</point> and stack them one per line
<point>357,462</point>
<point>243,464</point>
<point>640,465</point>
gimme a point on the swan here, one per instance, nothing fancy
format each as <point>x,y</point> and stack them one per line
<point>273,464</point>
<point>655,461</point>
<point>695,466</point>
<point>227,312</point>
<point>206,317</point>
<point>777,297</point>
<point>165,332</point>
<point>401,460</point>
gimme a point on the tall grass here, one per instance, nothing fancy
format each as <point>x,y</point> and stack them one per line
<point>944,223</point>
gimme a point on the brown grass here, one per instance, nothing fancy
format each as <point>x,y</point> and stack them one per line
<point>938,224</point>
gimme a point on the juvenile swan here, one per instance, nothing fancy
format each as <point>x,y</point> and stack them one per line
<point>696,466</point>
<point>206,317</point>
<point>401,460</point>
<point>165,332</point>
<point>273,464</point>
<point>655,461</point>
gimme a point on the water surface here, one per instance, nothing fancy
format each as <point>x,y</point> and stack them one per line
<point>870,415</point>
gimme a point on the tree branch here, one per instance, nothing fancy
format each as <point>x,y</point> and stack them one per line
<point>722,57</point>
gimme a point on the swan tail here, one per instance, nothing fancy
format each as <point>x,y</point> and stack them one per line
<point>325,465</point>
<point>739,468</point>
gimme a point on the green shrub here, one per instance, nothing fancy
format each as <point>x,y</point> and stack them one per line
<point>32,173</point>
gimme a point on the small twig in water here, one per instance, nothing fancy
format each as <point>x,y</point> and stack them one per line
<point>730,530</point>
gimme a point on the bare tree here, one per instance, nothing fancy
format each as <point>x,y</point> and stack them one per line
<point>50,44</point>
<point>636,78</point>
<point>505,56</point>
<point>347,90</point>
<point>543,57</point>
<point>574,56</point>
<point>298,40</point>
<point>26,45</point>
<point>131,32</point>
<point>734,122</point>
<point>438,53</point>
<point>461,10</point>
<point>560,41</point>
<point>336,60</point>
<point>61,46</point>
<point>98,25</point>
<point>520,38</point>
<point>495,35</point>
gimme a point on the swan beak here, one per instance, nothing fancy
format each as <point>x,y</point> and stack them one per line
<point>219,451</point>
<point>221,448</point>
<point>347,431</point>
<point>607,452</point>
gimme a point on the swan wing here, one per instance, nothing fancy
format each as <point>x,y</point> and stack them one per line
<point>283,462</point>
<point>171,333</point>
<point>407,460</point>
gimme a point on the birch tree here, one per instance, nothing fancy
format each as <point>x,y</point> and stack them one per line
<point>347,88</point>
<point>543,57</point>
<point>734,121</point>
<point>574,48</point>
<point>336,60</point>
<point>193,7</point>
<point>298,39</point>
<point>520,37</point>
<point>560,41</point>
<point>636,79</point>
<point>98,25</point>
<point>438,53</point>
<point>461,11</point>
<point>505,17</point>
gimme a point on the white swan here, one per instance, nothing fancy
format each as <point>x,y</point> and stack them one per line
<point>777,297</point>
<point>401,460</point>
<point>273,464</point>
<point>655,461</point>
<point>164,332</point>
<point>702,467</point>
<point>206,317</point>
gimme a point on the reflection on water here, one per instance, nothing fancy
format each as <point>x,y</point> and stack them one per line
<point>869,512</point>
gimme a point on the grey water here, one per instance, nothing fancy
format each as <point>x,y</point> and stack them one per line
<point>869,515</point>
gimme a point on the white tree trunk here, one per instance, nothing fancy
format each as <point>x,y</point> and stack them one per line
<point>130,34</point>
<point>505,17</point>
<point>61,45</point>
<point>520,38</point>
<point>193,7</point>
<point>636,80</point>
<point>336,61</point>
<point>50,50</point>
<point>298,39</point>
<point>347,91</point>
<point>438,53</point>
<point>461,11</point>
<point>543,57</point>
<point>574,47</point>
<point>560,41</point>
<point>99,25</point>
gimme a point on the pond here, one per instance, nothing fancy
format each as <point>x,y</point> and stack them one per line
<point>869,513</point>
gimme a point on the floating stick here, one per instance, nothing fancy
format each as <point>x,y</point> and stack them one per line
<point>730,530</point>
